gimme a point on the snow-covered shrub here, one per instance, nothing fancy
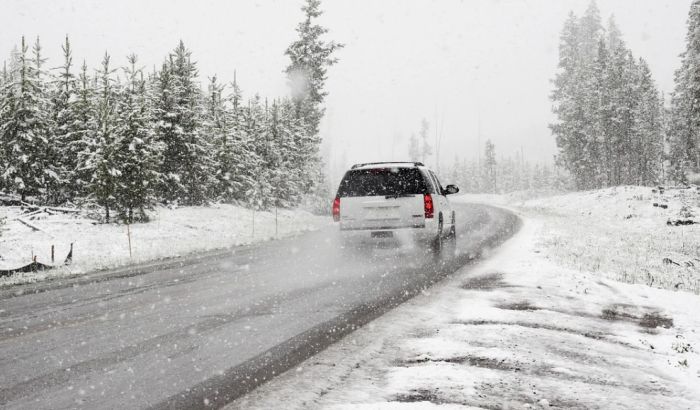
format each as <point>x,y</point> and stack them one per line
<point>694,178</point>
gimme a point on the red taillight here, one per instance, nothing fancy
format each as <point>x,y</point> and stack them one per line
<point>428,205</point>
<point>336,209</point>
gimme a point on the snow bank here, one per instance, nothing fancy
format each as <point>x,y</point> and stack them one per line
<point>171,232</point>
<point>518,331</point>
<point>631,234</point>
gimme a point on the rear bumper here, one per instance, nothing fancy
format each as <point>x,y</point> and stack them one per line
<point>380,227</point>
<point>425,231</point>
<point>387,224</point>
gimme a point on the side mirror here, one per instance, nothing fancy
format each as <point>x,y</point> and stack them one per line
<point>451,189</point>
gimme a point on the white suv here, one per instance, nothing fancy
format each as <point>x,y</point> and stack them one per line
<point>379,200</point>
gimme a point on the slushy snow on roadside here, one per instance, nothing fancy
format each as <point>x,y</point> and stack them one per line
<point>524,329</point>
<point>170,233</point>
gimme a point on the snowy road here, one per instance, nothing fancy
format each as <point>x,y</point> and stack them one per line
<point>202,332</point>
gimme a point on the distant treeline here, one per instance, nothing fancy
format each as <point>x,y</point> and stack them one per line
<point>498,175</point>
<point>124,139</point>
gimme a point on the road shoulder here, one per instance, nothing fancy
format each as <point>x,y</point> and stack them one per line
<point>517,331</point>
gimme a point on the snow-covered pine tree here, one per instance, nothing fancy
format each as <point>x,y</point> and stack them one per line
<point>282,174</point>
<point>489,171</point>
<point>597,97</point>
<point>591,31</point>
<point>51,150</point>
<point>298,162</point>
<point>244,159</point>
<point>235,161</point>
<point>82,144</point>
<point>259,196</point>
<point>164,114</point>
<point>187,158</point>
<point>628,102</point>
<point>605,113</point>
<point>217,129</point>
<point>137,153</point>
<point>65,124</point>
<point>568,104</point>
<point>5,108</point>
<point>647,129</point>
<point>684,126</point>
<point>24,124</point>
<point>310,56</point>
<point>102,160</point>
<point>4,80</point>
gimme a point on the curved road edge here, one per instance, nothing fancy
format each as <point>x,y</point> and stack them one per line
<point>239,380</point>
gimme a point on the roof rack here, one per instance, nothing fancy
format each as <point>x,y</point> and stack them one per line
<point>418,164</point>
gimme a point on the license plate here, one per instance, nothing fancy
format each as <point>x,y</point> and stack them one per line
<point>382,234</point>
<point>382,213</point>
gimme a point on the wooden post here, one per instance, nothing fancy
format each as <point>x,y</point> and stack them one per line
<point>128,234</point>
<point>52,253</point>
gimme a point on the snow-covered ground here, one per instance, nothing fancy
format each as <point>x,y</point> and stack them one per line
<point>529,327</point>
<point>171,232</point>
<point>618,233</point>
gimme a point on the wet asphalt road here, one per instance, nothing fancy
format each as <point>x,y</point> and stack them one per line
<point>201,331</point>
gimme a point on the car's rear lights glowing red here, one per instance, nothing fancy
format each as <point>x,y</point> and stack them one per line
<point>428,206</point>
<point>336,209</point>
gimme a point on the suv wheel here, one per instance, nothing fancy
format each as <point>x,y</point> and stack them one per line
<point>438,241</point>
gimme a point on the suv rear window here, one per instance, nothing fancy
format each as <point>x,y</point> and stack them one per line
<point>383,182</point>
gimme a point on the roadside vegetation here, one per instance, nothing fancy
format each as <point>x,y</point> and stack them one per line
<point>613,126</point>
<point>123,139</point>
<point>631,234</point>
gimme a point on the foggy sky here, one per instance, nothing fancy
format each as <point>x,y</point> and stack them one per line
<point>456,63</point>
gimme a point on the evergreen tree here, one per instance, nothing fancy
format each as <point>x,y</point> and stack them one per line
<point>137,153</point>
<point>609,119</point>
<point>684,127</point>
<point>489,172</point>
<point>591,30</point>
<point>80,143</point>
<point>255,118</point>
<point>568,105</point>
<point>648,129</point>
<point>91,140</point>
<point>103,161</point>
<point>614,36</point>
<point>286,177</point>
<point>217,128</point>
<point>310,56</point>
<point>65,131</point>
<point>244,161</point>
<point>187,166</point>
<point>5,78</point>
<point>24,127</point>
<point>45,130</point>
